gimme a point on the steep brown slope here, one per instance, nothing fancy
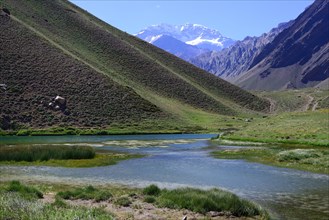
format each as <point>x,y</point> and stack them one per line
<point>33,73</point>
<point>297,58</point>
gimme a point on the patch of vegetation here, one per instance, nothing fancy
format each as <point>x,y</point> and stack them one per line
<point>45,153</point>
<point>308,159</point>
<point>302,128</point>
<point>152,190</point>
<point>298,100</point>
<point>59,202</point>
<point>297,154</point>
<point>87,193</point>
<point>24,191</point>
<point>41,156</point>
<point>15,206</point>
<point>149,199</point>
<point>202,201</point>
<point>123,201</point>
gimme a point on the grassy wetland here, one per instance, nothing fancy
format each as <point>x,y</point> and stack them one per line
<point>295,135</point>
<point>43,201</point>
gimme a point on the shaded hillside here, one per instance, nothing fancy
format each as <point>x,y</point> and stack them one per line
<point>33,73</point>
<point>236,60</point>
<point>98,68</point>
<point>297,57</point>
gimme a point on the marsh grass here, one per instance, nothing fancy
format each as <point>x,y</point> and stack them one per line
<point>101,158</point>
<point>45,153</point>
<point>123,201</point>
<point>297,128</point>
<point>152,190</point>
<point>14,206</point>
<point>87,193</point>
<point>308,159</point>
<point>202,201</point>
<point>25,191</point>
<point>297,154</point>
<point>149,199</point>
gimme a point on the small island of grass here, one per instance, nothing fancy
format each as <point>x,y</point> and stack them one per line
<point>306,158</point>
<point>58,155</point>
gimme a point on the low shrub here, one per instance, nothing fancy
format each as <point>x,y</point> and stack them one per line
<point>15,206</point>
<point>60,203</point>
<point>25,191</point>
<point>123,201</point>
<point>204,201</point>
<point>86,193</point>
<point>149,199</point>
<point>152,190</point>
<point>297,154</point>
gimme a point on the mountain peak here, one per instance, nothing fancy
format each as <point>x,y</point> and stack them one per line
<point>193,34</point>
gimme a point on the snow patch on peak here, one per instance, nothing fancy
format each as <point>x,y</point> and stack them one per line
<point>198,25</point>
<point>192,34</point>
<point>199,40</point>
<point>154,38</point>
<point>141,32</point>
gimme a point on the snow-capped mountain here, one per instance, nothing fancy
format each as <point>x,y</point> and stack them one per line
<point>177,47</point>
<point>201,38</point>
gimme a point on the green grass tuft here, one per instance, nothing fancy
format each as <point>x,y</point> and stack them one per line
<point>25,191</point>
<point>307,158</point>
<point>149,199</point>
<point>60,203</point>
<point>86,193</point>
<point>297,154</point>
<point>152,190</point>
<point>123,201</point>
<point>15,206</point>
<point>204,201</point>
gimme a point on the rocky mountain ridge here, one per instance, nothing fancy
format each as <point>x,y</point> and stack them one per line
<point>229,63</point>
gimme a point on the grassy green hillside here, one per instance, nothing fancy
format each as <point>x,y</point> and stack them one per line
<point>108,77</point>
<point>299,117</point>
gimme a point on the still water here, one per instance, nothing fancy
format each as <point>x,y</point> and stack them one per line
<point>183,160</point>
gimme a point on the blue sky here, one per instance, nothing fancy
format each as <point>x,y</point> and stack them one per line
<point>235,19</point>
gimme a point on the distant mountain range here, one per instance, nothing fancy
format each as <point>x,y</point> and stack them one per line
<point>185,41</point>
<point>231,62</point>
<point>298,57</point>
<point>293,55</point>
